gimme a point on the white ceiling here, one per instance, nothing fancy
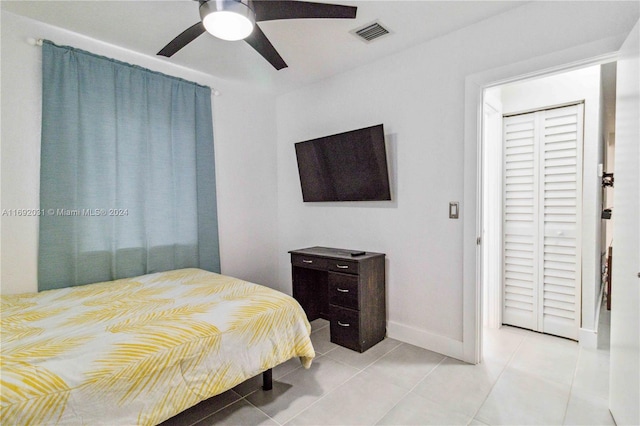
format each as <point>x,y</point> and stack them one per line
<point>314,49</point>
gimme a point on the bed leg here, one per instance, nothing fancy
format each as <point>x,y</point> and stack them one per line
<point>267,380</point>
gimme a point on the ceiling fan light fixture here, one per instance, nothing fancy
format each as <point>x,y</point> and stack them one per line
<point>227,19</point>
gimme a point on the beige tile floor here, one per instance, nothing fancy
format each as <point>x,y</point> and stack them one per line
<point>526,378</point>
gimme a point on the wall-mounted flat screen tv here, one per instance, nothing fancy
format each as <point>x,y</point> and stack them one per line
<point>350,166</point>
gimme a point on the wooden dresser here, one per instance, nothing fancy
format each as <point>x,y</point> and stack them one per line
<point>348,291</point>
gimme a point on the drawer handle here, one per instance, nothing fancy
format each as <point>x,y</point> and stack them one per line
<point>343,266</point>
<point>307,261</point>
<point>341,324</point>
<point>342,290</point>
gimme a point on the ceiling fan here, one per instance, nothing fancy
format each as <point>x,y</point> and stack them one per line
<point>235,20</point>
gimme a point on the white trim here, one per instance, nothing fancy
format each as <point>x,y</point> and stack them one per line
<point>598,52</point>
<point>471,225</point>
<point>544,108</point>
<point>552,70</point>
<point>492,224</point>
<point>425,339</point>
<point>589,338</point>
<point>599,306</point>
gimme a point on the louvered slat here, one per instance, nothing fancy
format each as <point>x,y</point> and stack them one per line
<point>559,301</point>
<point>559,289</point>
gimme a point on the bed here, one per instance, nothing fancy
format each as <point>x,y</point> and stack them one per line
<point>140,350</point>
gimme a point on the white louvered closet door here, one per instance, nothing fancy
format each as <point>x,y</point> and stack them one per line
<point>520,292</point>
<point>542,204</point>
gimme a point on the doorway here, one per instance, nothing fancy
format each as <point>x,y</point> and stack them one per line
<point>584,86</point>
<point>542,163</point>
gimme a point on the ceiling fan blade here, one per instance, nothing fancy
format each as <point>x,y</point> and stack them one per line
<point>271,10</point>
<point>186,37</point>
<point>263,46</point>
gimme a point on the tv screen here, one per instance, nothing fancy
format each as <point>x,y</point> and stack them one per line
<point>350,166</point>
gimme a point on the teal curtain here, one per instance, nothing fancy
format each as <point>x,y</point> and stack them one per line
<point>127,183</point>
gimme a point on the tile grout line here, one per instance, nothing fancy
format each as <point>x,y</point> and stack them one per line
<point>241,397</point>
<point>412,388</point>
<point>258,390</point>
<point>324,396</point>
<point>573,378</point>
<point>284,375</point>
<point>220,409</point>
<point>525,337</point>
<point>360,370</point>
<point>246,400</point>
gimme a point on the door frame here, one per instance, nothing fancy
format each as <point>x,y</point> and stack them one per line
<point>596,53</point>
<point>492,225</point>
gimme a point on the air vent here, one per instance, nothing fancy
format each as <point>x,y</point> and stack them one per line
<point>370,32</point>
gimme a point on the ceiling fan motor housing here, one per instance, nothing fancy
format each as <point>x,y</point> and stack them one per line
<point>227,19</point>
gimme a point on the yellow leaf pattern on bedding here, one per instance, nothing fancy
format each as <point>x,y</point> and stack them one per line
<point>44,348</point>
<point>15,303</point>
<point>178,396</point>
<point>31,315</point>
<point>100,290</point>
<point>146,360</point>
<point>125,295</point>
<point>121,304</point>
<point>142,349</point>
<point>229,289</point>
<point>40,399</point>
<point>184,276</point>
<point>159,318</point>
<point>255,322</point>
<point>11,332</point>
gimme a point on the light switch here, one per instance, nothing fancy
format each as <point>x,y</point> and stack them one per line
<point>454,210</point>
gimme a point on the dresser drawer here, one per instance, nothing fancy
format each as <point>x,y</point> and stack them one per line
<point>309,261</point>
<point>343,290</point>
<point>346,266</point>
<point>345,327</point>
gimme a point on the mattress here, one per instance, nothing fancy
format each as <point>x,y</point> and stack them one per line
<point>140,350</point>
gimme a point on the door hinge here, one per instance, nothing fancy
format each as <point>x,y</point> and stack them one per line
<point>478,240</point>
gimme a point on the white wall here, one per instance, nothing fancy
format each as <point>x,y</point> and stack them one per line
<point>419,96</point>
<point>580,85</point>
<point>245,157</point>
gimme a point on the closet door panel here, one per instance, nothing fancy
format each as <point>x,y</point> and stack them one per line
<point>561,201</point>
<point>519,221</point>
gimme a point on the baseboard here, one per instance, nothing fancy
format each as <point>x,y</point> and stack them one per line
<point>589,338</point>
<point>424,339</point>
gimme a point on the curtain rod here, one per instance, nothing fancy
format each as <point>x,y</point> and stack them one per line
<point>38,42</point>
<point>34,41</point>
